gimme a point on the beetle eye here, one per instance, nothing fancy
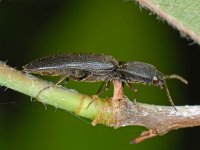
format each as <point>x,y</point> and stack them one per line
<point>155,80</point>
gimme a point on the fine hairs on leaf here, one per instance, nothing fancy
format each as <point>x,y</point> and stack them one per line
<point>183,15</point>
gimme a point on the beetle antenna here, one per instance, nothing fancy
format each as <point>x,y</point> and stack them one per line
<point>175,76</point>
<point>168,95</point>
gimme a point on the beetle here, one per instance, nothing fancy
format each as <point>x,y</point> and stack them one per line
<point>98,67</point>
<point>76,66</point>
<point>144,73</point>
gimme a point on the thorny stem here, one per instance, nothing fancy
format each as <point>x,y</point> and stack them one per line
<point>118,112</point>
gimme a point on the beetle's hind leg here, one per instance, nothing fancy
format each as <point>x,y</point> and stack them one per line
<point>100,91</point>
<point>55,84</point>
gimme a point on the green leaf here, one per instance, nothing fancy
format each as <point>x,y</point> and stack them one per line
<point>184,15</point>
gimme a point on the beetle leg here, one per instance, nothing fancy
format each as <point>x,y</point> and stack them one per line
<point>132,88</point>
<point>107,85</point>
<point>100,89</point>
<point>84,75</point>
<point>99,92</point>
<point>107,82</point>
<point>55,84</point>
<point>61,80</point>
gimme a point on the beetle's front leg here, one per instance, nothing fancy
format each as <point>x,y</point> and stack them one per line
<point>132,88</point>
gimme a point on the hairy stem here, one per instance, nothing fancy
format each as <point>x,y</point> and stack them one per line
<point>56,96</point>
<point>116,112</point>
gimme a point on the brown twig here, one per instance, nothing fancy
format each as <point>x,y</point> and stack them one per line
<point>158,119</point>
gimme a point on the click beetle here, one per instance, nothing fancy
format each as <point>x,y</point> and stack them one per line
<point>98,67</point>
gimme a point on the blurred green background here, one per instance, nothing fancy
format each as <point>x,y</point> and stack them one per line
<point>33,29</point>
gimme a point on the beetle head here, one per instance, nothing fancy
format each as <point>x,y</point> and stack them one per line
<point>158,79</point>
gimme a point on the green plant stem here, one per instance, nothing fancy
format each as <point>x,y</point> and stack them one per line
<point>116,112</point>
<point>63,98</point>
